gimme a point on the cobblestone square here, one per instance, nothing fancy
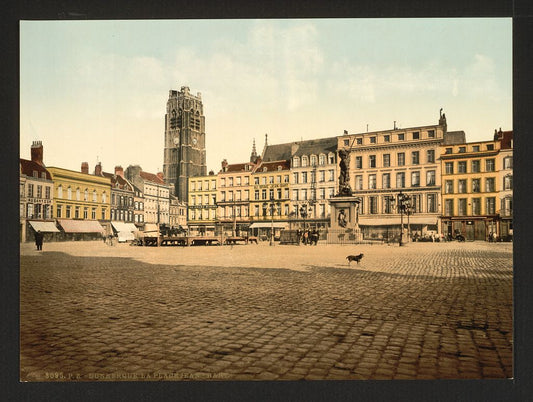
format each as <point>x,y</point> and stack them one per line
<point>253,312</point>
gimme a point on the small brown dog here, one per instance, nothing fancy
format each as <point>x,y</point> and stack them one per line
<point>357,258</point>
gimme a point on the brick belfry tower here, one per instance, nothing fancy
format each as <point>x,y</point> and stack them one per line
<point>184,154</point>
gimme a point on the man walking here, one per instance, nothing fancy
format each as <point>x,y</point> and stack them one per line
<point>39,240</point>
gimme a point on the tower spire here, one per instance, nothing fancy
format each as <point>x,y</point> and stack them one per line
<point>253,155</point>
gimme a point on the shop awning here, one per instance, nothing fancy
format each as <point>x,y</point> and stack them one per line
<point>151,229</point>
<point>44,226</point>
<point>124,227</point>
<point>396,221</point>
<point>276,225</point>
<point>73,226</point>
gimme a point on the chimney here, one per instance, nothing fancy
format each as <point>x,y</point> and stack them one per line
<point>119,171</point>
<point>85,167</point>
<point>98,169</point>
<point>224,165</point>
<point>37,152</point>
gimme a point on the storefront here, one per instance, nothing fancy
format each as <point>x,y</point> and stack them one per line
<point>81,229</point>
<point>48,228</point>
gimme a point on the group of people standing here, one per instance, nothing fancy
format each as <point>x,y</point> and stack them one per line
<point>308,237</point>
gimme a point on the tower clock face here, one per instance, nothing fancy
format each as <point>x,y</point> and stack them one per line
<point>176,140</point>
<point>194,141</point>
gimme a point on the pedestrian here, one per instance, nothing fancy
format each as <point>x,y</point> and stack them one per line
<point>39,240</point>
<point>306,236</point>
<point>490,237</point>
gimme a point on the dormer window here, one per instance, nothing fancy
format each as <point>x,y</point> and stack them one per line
<point>43,175</point>
<point>313,160</point>
<point>279,167</point>
<point>295,162</point>
<point>265,169</point>
<point>35,174</point>
<point>304,161</point>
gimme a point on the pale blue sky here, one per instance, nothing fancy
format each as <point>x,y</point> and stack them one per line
<point>98,89</point>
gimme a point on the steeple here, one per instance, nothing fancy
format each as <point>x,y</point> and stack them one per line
<point>253,155</point>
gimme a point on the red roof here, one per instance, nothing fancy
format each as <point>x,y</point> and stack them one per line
<point>239,167</point>
<point>151,177</point>
<point>273,166</point>
<point>122,183</point>
<point>28,167</point>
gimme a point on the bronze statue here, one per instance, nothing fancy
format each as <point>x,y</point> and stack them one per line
<point>344,177</point>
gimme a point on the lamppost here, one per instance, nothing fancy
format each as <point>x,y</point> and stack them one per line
<point>304,213</point>
<point>403,203</point>
<point>272,204</point>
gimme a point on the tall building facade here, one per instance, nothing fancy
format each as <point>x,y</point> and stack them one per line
<point>184,153</point>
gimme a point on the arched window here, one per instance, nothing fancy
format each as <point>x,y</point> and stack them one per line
<point>60,191</point>
<point>104,198</point>
<point>304,161</point>
<point>295,162</point>
<point>322,160</point>
<point>69,193</point>
<point>313,160</point>
<point>78,194</point>
<point>331,158</point>
<point>94,195</point>
<point>86,195</point>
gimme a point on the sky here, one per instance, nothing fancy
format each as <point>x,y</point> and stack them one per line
<point>96,91</point>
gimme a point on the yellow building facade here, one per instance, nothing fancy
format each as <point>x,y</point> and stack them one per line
<point>202,205</point>
<point>270,203</point>
<point>469,174</point>
<point>81,196</point>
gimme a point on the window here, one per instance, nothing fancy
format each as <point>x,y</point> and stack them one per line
<point>430,155</point>
<point>508,182</point>
<point>401,159</point>
<point>448,207</point>
<point>386,138</point>
<point>416,203</point>
<point>372,140</point>
<point>246,195</point>
<point>322,193</point>
<point>270,179</point>
<point>416,135</point>
<point>490,147</point>
<point>30,190</point>
<point>372,181</point>
<point>29,210</point>
<point>415,179</point>
<point>491,205</point>
<point>331,158</point>
<point>39,191</point>
<point>85,212</point>
<point>237,180</point>
<point>230,183</point>
<point>359,182</point>
<point>214,183</point>
<point>286,193</point>
<point>331,192</point>
<point>431,133</point>
<point>263,194</point>
<point>489,165</point>
<point>304,177</point>
<point>373,205</point>
<point>401,137</point>
<point>359,141</point>
<point>372,161</point>
<point>285,178</point>
<point>476,166</point>
<point>59,211</point>
<point>448,151</point>
<point>415,157</point>
<point>47,192</point>
<point>256,194</point>
<point>462,150</point>
<point>60,191</point>
<point>264,180</point>
<point>507,206</point>
<point>386,160</point>
<point>304,161</point>
<point>387,204</point>
<point>358,162</point>
<point>295,178</point>
<point>78,194</point>
<point>475,148</point>
<point>322,160</point>
<point>448,187</point>
<point>322,176</point>
<point>313,160</point>
<point>256,180</point>
<point>461,186</point>
<point>35,174</point>
<point>386,180</point>
<point>489,185</point>
<point>346,143</point>
<point>461,167</point>
<point>430,178</point>
<point>230,196</point>
<point>76,212</point>
<point>69,193</point>
<point>432,203</point>
<point>304,194</point>
<point>448,167</point>
<point>93,213</point>
<point>279,193</point>
<point>476,206</point>
<point>508,162</point>
<point>331,175</point>
<point>104,198</point>
<point>400,180</point>
<point>462,206</point>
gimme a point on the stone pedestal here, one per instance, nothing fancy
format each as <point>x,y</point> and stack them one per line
<point>348,207</point>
